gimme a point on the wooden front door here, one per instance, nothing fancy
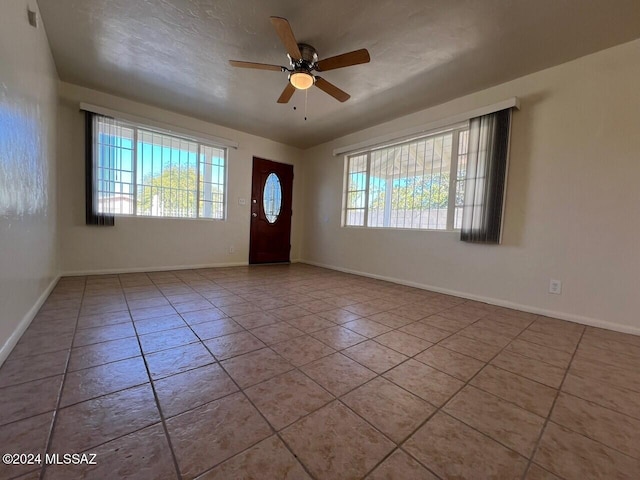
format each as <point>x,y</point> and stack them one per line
<point>271,195</point>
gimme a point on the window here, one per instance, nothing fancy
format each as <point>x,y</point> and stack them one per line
<point>139,171</point>
<point>417,184</point>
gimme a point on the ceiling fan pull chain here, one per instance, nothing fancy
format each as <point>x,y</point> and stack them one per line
<point>306,94</point>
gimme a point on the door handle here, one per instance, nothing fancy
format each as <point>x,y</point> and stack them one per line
<point>254,215</point>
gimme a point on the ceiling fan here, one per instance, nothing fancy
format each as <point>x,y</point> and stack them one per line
<point>303,60</point>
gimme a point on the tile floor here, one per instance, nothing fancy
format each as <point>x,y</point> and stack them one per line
<point>295,372</point>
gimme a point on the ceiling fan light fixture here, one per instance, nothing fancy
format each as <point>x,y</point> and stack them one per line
<point>301,80</point>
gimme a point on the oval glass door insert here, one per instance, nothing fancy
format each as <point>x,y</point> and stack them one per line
<point>272,198</point>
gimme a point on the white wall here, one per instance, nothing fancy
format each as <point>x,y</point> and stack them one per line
<point>572,209</point>
<point>138,243</point>
<point>28,81</point>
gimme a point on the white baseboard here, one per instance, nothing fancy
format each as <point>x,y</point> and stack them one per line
<point>592,322</point>
<point>76,273</point>
<point>11,342</point>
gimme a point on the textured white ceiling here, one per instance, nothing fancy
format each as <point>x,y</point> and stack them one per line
<point>173,53</point>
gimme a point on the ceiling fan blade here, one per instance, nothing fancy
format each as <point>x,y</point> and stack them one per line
<point>345,60</point>
<point>287,93</point>
<point>332,90</point>
<point>283,29</point>
<point>259,66</point>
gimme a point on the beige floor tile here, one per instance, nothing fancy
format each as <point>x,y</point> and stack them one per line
<point>599,409</point>
<point>398,466</point>
<point>229,346</point>
<point>575,457</point>
<point>425,331</point>
<point>151,325</point>
<point>316,306</point>
<point>338,373</point>
<point>103,334</point>
<point>152,312</point>
<point>465,313</point>
<point>619,399</point>
<point>184,391</point>
<point>202,316</point>
<point>604,373</point>
<point>192,306</point>
<point>103,319</point>
<point>302,350</point>
<point>539,352</point>
<point>554,326</point>
<point>403,342</point>
<point>338,315</point>
<point>239,309</point>
<point>453,450</point>
<point>565,343</point>
<point>506,423</point>
<point>538,473</point>
<point>216,328</point>
<point>367,327</point>
<point>287,397</point>
<point>269,459</point>
<point>39,343</point>
<point>290,313</point>
<point>334,443</point>
<point>424,381</point>
<point>444,323</point>
<point>364,309</point>
<point>255,367</point>
<point>528,367</point>
<point>338,337</point>
<point>278,332</point>
<point>485,335</point>
<point>34,367</point>
<point>105,352</point>
<point>592,332</point>
<point>527,394</point>
<point>592,351</point>
<point>179,359</point>
<point>29,399</point>
<point>154,342</point>
<point>91,423</point>
<point>389,408</point>
<point>374,356</point>
<point>611,428</point>
<point>255,319</point>
<point>93,382</point>
<point>471,347</point>
<point>498,326</point>
<point>140,455</point>
<point>391,319</point>
<point>146,302</point>
<point>455,364</point>
<point>208,435</point>
<point>311,323</point>
<point>416,312</point>
<point>28,436</point>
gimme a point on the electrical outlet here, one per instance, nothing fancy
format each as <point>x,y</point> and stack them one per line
<point>232,249</point>
<point>242,201</point>
<point>555,286</point>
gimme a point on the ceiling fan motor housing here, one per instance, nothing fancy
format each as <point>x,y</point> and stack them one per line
<point>308,60</point>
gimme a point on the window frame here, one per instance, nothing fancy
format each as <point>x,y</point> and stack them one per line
<point>456,130</point>
<point>136,127</point>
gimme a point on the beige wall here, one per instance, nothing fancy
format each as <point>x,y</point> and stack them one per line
<point>138,243</point>
<point>28,81</point>
<point>572,210</point>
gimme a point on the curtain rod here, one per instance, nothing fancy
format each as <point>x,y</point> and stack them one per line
<point>160,126</point>
<point>426,128</point>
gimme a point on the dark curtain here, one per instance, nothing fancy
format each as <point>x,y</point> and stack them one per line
<point>486,177</point>
<point>91,177</point>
